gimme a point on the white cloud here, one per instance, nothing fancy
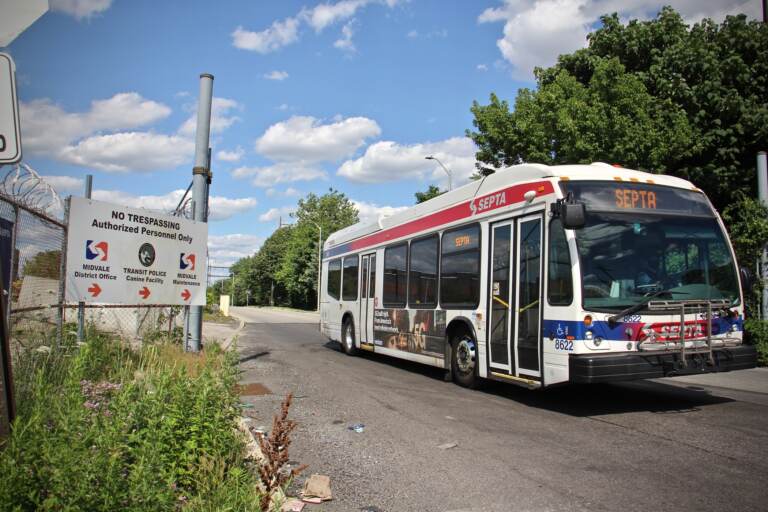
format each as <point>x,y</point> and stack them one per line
<point>537,31</point>
<point>65,183</point>
<point>482,67</point>
<point>390,161</point>
<point>303,138</point>
<point>323,15</point>
<point>285,32</point>
<point>96,138</point>
<point>221,117</point>
<point>276,213</point>
<point>80,8</point>
<point>223,250</point>
<point>130,151</point>
<point>370,212</point>
<point>284,172</point>
<point>276,75</point>
<point>48,128</point>
<point>289,192</point>
<point>280,34</point>
<point>345,43</point>
<point>230,156</point>
<point>221,208</point>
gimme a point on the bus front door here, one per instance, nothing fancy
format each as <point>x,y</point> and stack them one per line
<point>515,298</point>
<point>367,294</point>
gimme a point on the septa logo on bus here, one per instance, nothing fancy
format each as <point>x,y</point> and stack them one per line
<point>187,262</point>
<point>488,202</point>
<point>94,250</point>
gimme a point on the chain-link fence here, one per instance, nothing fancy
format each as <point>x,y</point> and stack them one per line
<point>33,238</point>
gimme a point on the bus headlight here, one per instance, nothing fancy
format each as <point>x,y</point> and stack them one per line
<point>588,335</point>
<point>598,341</point>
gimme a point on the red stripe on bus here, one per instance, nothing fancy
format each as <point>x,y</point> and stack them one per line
<point>477,205</point>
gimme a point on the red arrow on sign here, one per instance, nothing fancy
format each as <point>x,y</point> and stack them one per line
<point>95,290</point>
<point>144,292</point>
<point>185,294</point>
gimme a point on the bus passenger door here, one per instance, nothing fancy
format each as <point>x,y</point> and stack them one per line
<point>367,292</point>
<point>528,296</point>
<point>514,308</point>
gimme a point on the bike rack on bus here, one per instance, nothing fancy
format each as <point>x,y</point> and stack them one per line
<point>695,345</point>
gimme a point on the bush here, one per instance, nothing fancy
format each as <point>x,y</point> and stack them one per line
<point>756,333</point>
<point>104,427</point>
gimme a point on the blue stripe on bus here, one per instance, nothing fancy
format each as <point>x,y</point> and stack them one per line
<point>564,329</point>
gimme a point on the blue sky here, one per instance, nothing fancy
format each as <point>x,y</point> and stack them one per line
<point>349,94</point>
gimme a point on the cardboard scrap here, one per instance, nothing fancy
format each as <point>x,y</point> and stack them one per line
<point>292,505</point>
<point>317,486</point>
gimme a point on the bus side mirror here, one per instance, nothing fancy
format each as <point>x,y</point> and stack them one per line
<point>573,215</point>
<point>747,280</point>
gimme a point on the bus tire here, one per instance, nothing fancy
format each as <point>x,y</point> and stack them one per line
<point>464,360</point>
<point>348,337</point>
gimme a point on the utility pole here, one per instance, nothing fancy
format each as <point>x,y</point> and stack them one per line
<point>81,305</point>
<point>200,180</point>
<point>762,192</point>
<point>319,260</point>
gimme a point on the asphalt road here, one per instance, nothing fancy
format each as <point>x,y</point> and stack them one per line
<point>640,446</point>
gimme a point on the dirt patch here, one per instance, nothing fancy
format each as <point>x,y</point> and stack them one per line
<point>253,389</point>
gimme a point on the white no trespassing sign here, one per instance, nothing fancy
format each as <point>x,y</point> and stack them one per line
<point>130,256</point>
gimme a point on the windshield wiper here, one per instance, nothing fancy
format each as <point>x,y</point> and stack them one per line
<point>613,319</point>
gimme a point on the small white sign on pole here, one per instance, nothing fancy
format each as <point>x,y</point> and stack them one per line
<point>10,133</point>
<point>126,255</point>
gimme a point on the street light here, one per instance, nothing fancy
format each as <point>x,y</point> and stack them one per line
<point>450,175</point>
<point>319,259</point>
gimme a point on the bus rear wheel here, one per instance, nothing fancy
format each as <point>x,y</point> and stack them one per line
<point>464,360</point>
<point>348,337</point>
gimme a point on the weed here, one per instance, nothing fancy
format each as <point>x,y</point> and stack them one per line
<point>101,426</point>
<point>273,470</point>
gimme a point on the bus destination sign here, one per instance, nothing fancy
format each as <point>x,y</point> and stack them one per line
<point>638,197</point>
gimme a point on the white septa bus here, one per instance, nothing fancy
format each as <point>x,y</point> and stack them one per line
<point>541,275</point>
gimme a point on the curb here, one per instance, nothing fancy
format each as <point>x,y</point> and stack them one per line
<point>226,344</point>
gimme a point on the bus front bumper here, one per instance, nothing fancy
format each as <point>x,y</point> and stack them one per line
<point>592,368</point>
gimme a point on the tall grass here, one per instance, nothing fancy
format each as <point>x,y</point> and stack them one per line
<point>101,426</point>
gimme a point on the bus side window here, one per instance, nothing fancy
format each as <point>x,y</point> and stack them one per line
<point>334,279</point>
<point>422,279</point>
<point>349,283</point>
<point>559,278</point>
<point>460,268</point>
<point>395,275</point>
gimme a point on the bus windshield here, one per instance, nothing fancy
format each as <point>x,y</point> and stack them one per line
<point>628,254</point>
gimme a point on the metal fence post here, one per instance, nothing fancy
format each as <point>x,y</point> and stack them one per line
<point>14,237</point>
<point>62,277</point>
<point>81,305</point>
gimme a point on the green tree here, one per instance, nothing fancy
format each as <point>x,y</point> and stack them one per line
<point>44,264</point>
<point>428,194</point>
<point>656,95</point>
<point>298,267</point>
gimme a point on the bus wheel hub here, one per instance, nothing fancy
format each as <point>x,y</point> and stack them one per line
<point>465,355</point>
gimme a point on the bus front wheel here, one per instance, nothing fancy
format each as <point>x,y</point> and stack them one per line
<point>348,337</point>
<point>464,360</point>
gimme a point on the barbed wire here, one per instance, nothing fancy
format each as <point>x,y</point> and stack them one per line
<point>22,184</point>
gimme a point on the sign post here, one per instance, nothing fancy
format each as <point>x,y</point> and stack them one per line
<point>10,132</point>
<point>126,255</point>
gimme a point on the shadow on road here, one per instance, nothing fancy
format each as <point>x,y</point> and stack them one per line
<point>251,357</point>
<point>579,400</point>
